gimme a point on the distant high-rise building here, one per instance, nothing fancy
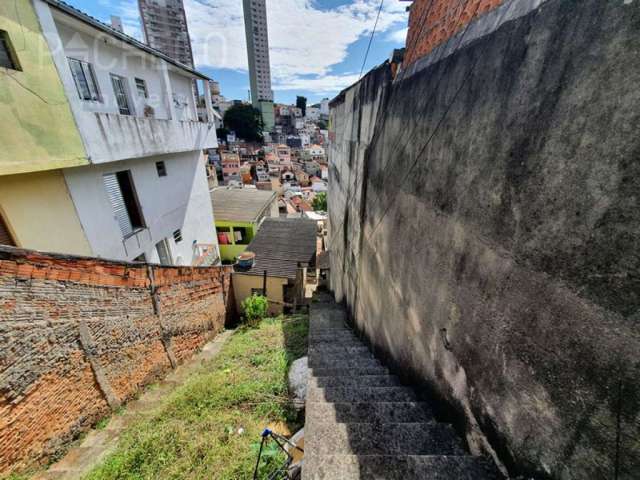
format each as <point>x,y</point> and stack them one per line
<point>116,23</point>
<point>164,25</point>
<point>255,25</point>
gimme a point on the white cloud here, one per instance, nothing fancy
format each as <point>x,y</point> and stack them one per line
<point>319,85</point>
<point>304,40</point>
<point>399,36</point>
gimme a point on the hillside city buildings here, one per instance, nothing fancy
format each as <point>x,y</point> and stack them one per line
<point>255,24</point>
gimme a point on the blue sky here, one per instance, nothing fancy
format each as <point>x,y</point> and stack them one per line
<point>316,46</point>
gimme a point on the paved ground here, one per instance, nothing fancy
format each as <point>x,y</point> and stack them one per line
<point>97,445</point>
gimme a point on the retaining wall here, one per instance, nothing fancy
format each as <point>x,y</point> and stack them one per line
<point>484,212</point>
<point>80,336</point>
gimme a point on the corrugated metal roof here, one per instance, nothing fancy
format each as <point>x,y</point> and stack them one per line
<point>282,243</point>
<point>240,204</point>
<point>84,17</point>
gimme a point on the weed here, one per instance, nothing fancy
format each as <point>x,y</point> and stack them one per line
<point>210,427</point>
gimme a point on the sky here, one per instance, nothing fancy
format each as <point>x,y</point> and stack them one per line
<point>317,47</point>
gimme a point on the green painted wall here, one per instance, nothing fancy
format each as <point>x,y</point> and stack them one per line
<point>230,252</point>
<point>38,130</point>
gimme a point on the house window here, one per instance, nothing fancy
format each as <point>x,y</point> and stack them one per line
<point>141,258</point>
<point>241,235</point>
<point>162,169</point>
<point>164,254</point>
<point>177,236</point>
<point>124,201</point>
<point>5,236</point>
<point>141,87</point>
<point>224,236</point>
<point>8,58</point>
<point>85,80</point>
<point>122,95</point>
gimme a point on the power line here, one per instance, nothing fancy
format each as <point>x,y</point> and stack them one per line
<point>373,32</point>
<point>413,134</point>
<point>432,136</point>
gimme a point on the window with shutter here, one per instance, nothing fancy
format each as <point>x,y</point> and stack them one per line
<point>117,203</point>
<point>5,236</point>
<point>85,79</point>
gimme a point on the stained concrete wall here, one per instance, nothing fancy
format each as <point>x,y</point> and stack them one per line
<point>484,230</point>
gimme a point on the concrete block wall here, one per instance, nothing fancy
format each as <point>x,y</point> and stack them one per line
<point>485,239</point>
<point>433,22</point>
<point>80,336</point>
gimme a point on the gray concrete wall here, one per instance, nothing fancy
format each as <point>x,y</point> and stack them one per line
<point>485,234</point>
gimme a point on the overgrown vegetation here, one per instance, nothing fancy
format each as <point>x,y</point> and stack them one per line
<point>254,309</point>
<point>319,203</point>
<point>210,427</point>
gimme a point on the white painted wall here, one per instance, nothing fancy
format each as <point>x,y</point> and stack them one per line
<point>107,135</point>
<point>179,200</point>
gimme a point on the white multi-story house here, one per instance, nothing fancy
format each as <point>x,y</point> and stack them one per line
<point>313,113</point>
<point>143,193</point>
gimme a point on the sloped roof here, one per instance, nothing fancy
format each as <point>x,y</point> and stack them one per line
<point>240,204</point>
<point>94,22</point>
<point>282,243</point>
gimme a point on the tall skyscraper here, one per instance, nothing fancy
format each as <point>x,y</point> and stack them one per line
<point>255,26</point>
<point>164,25</point>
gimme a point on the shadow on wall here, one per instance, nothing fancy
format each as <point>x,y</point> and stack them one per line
<point>494,256</point>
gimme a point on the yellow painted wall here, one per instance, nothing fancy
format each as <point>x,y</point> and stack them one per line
<point>38,130</point>
<point>242,285</point>
<point>39,212</point>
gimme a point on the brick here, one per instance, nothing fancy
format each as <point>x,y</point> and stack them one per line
<point>433,22</point>
<point>49,389</point>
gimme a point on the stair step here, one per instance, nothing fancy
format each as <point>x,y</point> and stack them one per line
<point>373,412</point>
<point>327,313</point>
<point>349,372</point>
<point>361,394</point>
<point>320,357</point>
<point>398,467</point>
<point>345,341</point>
<point>315,331</point>
<point>382,439</point>
<point>328,348</point>
<point>333,333</point>
<point>361,381</point>
<point>344,363</point>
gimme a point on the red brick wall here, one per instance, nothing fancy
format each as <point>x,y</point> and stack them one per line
<point>433,22</point>
<point>79,336</point>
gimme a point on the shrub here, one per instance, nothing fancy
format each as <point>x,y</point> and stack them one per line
<point>254,308</point>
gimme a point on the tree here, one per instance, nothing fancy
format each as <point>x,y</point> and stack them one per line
<point>320,202</point>
<point>222,134</point>
<point>301,103</point>
<point>246,121</point>
<point>321,124</point>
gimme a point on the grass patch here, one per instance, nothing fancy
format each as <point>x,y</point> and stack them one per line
<point>210,427</point>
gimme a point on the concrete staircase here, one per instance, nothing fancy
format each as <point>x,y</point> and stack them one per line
<point>361,423</point>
